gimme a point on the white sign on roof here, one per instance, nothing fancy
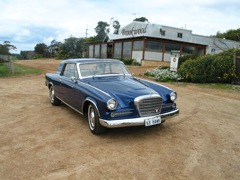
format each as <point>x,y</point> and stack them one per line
<point>142,29</point>
<point>134,31</point>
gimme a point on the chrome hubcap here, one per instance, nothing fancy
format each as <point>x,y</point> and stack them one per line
<point>52,95</point>
<point>91,117</point>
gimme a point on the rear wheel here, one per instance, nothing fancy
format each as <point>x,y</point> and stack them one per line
<point>93,120</point>
<point>53,99</point>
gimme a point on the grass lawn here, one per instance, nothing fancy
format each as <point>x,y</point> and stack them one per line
<point>17,70</point>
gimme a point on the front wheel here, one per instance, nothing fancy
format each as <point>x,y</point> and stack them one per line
<point>53,99</point>
<point>93,120</point>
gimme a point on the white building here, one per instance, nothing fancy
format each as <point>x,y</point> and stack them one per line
<point>153,44</point>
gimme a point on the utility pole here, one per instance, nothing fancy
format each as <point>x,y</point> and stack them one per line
<point>111,23</point>
<point>86,31</point>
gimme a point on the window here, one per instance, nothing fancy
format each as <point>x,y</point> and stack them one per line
<point>102,68</point>
<point>179,35</point>
<point>91,51</point>
<point>172,47</point>
<point>104,51</point>
<point>154,46</point>
<point>97,51</point>
<point>162,32</point>
<point>117,50</point>
<point>127,49</point>
<point>187,50</point>
<point>70,71</point>
<point>138,45</point>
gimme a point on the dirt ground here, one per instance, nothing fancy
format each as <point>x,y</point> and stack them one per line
<point>41,141</point>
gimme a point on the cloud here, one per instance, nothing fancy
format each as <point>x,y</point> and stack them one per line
<point>27,23</point>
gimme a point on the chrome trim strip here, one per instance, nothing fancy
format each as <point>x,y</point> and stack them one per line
<point>90,100</point>
<point>95,88</point>
<point>139,98</point>
<point>134,121</point>
<point>104,75</point>
<point>159,84</point>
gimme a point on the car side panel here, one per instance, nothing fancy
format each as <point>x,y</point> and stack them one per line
<point>67,90</point>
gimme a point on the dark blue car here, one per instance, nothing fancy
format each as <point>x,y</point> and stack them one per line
<point>105,91</point>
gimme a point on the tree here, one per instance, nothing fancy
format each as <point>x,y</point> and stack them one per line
<point>24,54</point>
<point>101,30</point>
<point>6,47</point>
<point>42,49</point>
<point>71,48</point>
<point>90,39</point>
<point>116,26</point>
<point>230,34</point>
<point>4,50</point>
<point>141,19</point>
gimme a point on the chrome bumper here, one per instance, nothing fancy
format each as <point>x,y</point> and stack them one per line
<point>135,121</point>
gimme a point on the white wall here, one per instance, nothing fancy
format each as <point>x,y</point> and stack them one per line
<point>167,57</point>
<point>137,55</point>
<point>155,56</point>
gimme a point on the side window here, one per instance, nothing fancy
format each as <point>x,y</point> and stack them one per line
<point>70,71</point>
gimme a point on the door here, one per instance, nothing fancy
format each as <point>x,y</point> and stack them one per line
<point>68,85</point>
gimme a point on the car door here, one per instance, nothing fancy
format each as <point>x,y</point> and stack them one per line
<point>68,85</point>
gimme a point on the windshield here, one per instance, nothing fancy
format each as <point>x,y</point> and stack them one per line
<point>102,68</point>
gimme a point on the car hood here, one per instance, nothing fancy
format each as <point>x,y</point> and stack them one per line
<point>123,90</point>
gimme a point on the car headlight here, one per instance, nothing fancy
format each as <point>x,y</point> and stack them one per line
<point>111,104</point>
<point>173,96</point>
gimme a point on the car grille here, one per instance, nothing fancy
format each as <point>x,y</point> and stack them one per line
<point>148,105</point>
<point>167,107</point>
<point>119,114</point>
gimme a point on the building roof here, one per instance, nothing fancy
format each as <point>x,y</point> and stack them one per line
<point>143,29</point>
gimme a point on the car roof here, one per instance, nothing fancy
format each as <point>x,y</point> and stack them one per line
<point>87,60</point>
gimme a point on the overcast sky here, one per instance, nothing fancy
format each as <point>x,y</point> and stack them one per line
<point>26,23</point>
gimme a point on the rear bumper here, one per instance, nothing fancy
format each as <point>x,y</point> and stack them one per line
<point>134,121</point>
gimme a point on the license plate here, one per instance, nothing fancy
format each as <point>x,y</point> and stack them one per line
<point>153,121</point>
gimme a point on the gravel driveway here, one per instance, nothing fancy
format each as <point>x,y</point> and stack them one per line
<point>41,141</point>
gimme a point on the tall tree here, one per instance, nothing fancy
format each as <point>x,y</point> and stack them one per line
<point>41,49</point>
<point>71,48</point>
<point>101,30</point>
<point>6,48</point>
<point>141,19</point>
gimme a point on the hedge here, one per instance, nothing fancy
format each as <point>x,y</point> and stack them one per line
<point>217,68</point>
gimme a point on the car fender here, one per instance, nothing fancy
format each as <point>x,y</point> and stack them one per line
<point>90,99</point>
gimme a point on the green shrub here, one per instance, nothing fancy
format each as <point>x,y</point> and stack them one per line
<point>38,56</point>
<point>183,59</point>
<point>217,68</point>
<point>127,61</point>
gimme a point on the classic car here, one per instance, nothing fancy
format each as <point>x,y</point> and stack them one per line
<point>109,95</point>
